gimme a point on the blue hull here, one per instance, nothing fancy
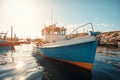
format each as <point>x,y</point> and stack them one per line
<point>59,70</point>
<point>4,49</point>
<point>56,61</point>
<point>84,52</point>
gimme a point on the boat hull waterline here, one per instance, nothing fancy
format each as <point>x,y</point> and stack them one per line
<point>79,52</point>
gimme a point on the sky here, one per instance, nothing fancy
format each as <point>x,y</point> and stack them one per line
<point>28,17</point>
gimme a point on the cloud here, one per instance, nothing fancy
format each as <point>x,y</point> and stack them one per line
<point>96,18</point>
<point>105,25</point>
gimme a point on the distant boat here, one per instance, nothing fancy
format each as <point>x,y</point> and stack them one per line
<point>72,59</point>
<point>4,45</point>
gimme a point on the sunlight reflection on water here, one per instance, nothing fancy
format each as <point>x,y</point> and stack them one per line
<point>22,78</point>
<point>24,66</point>
<point>20,64</point>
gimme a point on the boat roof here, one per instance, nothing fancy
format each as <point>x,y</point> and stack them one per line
<point>2,33</point>
<point>54,27</point>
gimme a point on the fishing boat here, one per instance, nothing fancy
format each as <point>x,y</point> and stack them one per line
<point>4,45</point>
<point>67,58</point>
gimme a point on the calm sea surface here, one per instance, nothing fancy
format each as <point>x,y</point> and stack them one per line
<point>21,65</point>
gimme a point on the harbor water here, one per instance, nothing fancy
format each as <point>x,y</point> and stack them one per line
<point>22,65</point>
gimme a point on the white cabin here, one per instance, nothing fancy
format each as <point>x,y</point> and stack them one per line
<point>52,33</point>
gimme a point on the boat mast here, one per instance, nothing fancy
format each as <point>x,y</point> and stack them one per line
<point>12,35</point>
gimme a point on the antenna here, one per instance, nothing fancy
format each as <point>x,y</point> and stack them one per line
<point>51,17</point>
<point>11,33</point>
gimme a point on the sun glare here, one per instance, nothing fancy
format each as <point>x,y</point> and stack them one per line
<point>25,15</point>
<point>22,78</point>
<point>20,64</point>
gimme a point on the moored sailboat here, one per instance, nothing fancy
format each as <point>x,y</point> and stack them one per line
<point>4,45</point>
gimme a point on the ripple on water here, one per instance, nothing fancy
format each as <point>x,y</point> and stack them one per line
<point>24,66</point>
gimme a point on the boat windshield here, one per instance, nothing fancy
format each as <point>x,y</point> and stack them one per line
<point>53,31</point>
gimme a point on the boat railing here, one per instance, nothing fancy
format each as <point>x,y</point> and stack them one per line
<point>81,27</point>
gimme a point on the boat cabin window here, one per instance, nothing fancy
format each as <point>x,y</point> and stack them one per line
<point>53,32</point>
<point>62,32</point>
